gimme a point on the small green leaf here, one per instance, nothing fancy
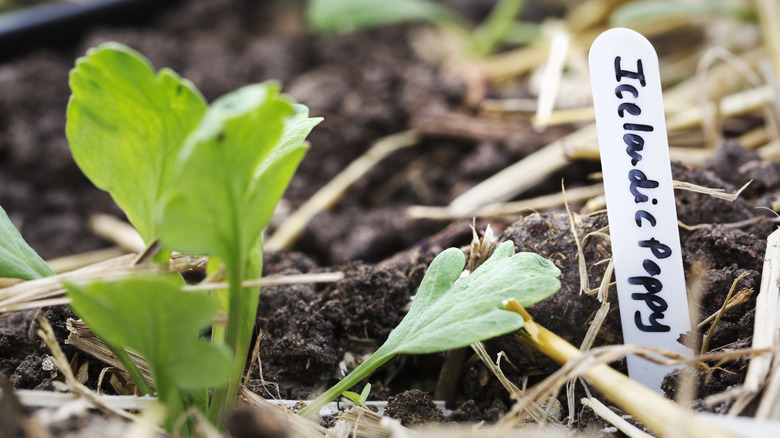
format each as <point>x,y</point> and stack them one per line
<point>446,314</point>
<point>354,396</point>
<point>364,394</point>
<point>343,16</point>
<point>126,124</point>
<point>232,171</point>
<point>17,259</point>
<point>358,399</point>
<point>153,317</point>
<point>495,27</point>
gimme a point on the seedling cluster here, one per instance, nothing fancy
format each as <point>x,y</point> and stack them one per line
<point>196,178</point>
<point>202,179</point>
<point>448,313</point>
<point>205,179</point>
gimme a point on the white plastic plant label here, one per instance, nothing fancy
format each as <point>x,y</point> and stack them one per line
<point>640,198</point>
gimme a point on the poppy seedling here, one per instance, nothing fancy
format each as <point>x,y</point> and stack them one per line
<point>358,399</point>
<point>447,314</point>
<point>201,179</point>
<point>230,175</point>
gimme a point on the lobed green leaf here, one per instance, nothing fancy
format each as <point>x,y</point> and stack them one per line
<point>126,125</point>
<point>17,259</point>
<point>446,314</point>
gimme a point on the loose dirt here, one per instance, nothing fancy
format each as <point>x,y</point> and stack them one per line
<point>366,86</point>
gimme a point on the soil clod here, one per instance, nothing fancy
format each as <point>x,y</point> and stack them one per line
<point>413,408</point>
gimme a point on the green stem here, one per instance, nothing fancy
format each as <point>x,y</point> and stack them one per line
<point>375,361</point>
<point>132,369</point>
<point>242,311</point>
<point>495,26</point>
<point>235,302</point>
<point>162,256</point>
<point>218,334</point>
<point>216,404</point>
<point>172,398</point>
<point>234,339</point>
<point>222,401</point>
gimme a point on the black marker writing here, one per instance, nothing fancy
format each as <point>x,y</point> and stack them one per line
<point>651,267</point>
<point>635,144</point>
<point>660,251</point>
<point>654,326</point>
<point>639,74</point>
<point>641,214</point>
<point>625,87</point>
<point>630,108</point>
<point>637,127</point>
<point>641,188</point>
<point>639,181</point>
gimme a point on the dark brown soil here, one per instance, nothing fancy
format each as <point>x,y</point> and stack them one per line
<point>366,86</point>
<point>413,408</point>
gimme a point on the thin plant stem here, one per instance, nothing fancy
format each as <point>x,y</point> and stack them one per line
<point>216,404</point>
<point>171,396</point>
<point>132,369</point>
<point>375,361</point>
<point>242,310</point>
<point>240,348</point>
<point>162,256</point>
<point>495,26</point>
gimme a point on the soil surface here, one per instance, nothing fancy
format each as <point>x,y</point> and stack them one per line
<point>366,86</point>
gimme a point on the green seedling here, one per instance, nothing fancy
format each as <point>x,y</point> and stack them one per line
<point>230,176</point>
<point>17,259</point>
<point>201,179</point>
<point>446,314</point>
<point>358,399</point>
<point>153,317</point>
<point>499,26</point>
<point>343,16</point>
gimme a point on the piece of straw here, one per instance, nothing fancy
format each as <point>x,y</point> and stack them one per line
<point>514,208</point>
<point>287,233</point>
<point>764,331</point>
<point>117,231</point>
<point>520,176</point>
<point>614,419</point>
<point>551,76</point>
<point>659,414</point>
